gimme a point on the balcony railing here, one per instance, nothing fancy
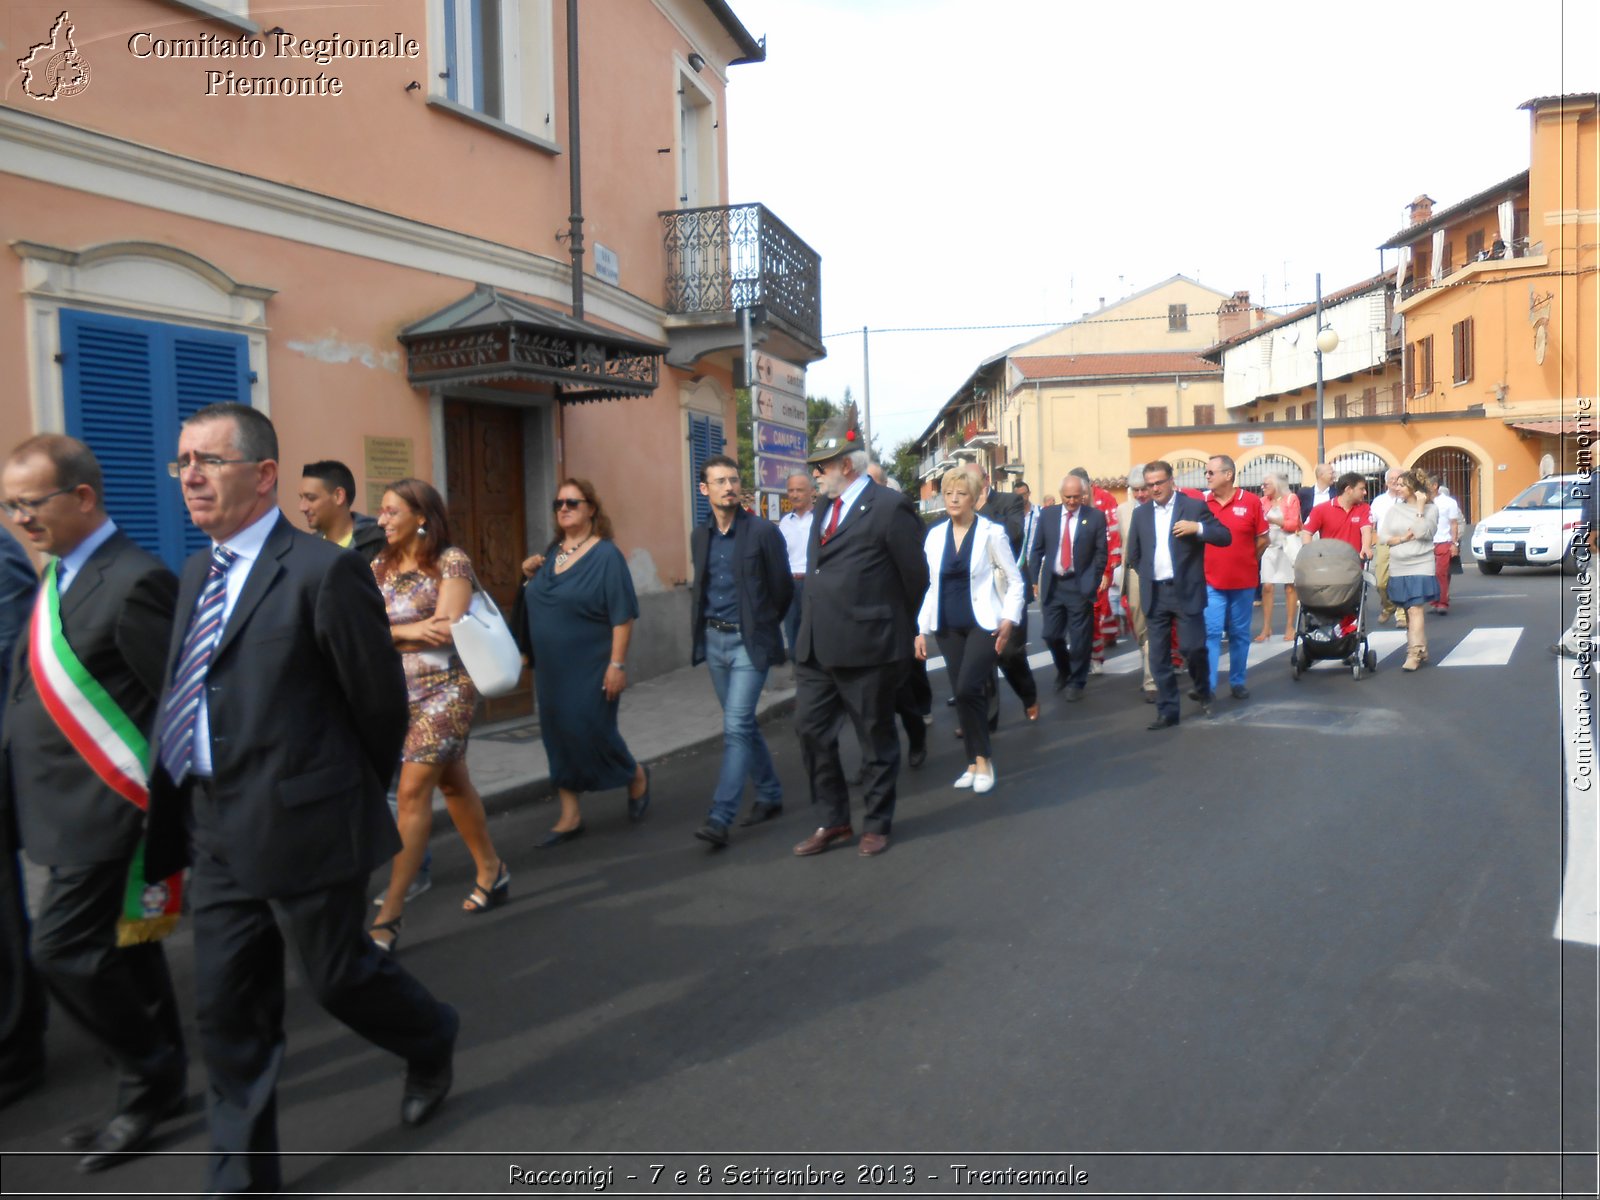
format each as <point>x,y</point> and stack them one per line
<point>721,260</point>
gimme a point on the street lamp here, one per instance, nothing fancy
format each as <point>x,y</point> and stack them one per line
<point>1327,343</point>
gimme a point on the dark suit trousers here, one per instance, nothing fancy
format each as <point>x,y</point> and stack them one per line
<point>1014,665</point>
<point>123,998</point>
<point>1163,618</point>
<point>1069,631</point>
<point>239,985</point>
<point>866,695</point>
<point>22,1002</point>
<point>913,700</point>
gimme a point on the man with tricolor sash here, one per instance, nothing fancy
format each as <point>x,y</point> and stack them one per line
<point>79,710</point>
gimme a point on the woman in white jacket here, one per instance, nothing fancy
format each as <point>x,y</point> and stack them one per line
<point>973,603</point>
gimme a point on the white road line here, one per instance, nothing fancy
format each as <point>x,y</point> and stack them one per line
<point>1484,647</point>
<point>1579,917</point>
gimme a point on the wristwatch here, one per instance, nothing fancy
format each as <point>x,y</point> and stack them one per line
<point>619,666</point>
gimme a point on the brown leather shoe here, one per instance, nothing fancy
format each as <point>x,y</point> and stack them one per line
<point>873,844</point>
<point>822,839</point>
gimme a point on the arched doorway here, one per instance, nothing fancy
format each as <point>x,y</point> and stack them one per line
<point>1458,471</point>
<point>1365,463</point>
<point>1253,472</point>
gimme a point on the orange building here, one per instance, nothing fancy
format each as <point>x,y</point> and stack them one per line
<point>356,219</point>
<point>1489,379</point>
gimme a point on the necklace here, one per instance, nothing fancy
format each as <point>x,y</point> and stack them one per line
<point>567,552</point>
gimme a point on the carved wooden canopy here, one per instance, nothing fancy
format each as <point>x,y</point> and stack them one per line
<point>489,338</point>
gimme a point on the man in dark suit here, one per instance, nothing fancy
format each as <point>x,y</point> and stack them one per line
<point>1069,566</point>
<point>742,588</point>
<point>22,1002</point>
<point>1167,539</point>
<point>282,722</point>
<point>1324,491</point>
<point>1009,510</point>
<point>79,708</point>
<point>865,576</point>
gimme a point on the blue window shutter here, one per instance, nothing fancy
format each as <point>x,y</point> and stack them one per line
<point>109,385</point>
<point>705,439</point>
<point>450,50</point>
<point>128,385</point>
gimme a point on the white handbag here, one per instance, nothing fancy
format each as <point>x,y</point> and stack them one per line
<point>487,650</point>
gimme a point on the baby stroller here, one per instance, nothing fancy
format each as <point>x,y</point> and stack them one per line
<point>1337,596</point>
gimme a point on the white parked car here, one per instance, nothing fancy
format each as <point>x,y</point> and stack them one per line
<point>1537,529</point>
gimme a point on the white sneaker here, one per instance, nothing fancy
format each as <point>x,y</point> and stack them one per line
<point>965,781</point>
<point>984,783</point>
<point>1097,668</point>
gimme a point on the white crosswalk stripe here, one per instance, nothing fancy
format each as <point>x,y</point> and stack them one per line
<point>1487,647</point>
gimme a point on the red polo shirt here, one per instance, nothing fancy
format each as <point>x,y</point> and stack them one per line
<point>1236,565</point>
<point>1331,521</point>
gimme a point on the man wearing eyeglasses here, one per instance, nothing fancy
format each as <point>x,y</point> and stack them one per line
<point>80,706</point>
<point>283,719</point>
<point>1232,573</point>
<point>1167,540</point>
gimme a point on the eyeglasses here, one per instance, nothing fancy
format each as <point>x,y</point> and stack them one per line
<point>567,502</point>
<point>21,509</point>
<point>1224,471</point>
<point>208,465</point>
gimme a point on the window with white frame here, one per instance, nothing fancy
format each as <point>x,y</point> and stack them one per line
<point>496,57</point>
<point>697,144</point>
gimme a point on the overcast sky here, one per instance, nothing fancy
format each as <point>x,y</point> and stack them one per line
<point>1013,161</point>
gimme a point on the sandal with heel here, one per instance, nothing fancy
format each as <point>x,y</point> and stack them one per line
<point>392,928</point>
<point>481,899</point>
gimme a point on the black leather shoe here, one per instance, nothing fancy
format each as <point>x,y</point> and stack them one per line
<point>559,837</point>
<point>714,832</point>
<point>950,703</point>
<point>1239,691</point>
<point>762,812</point>
<point>124,1134</point>
<point>426,1088</point>
<point>1162,723</point>
<point>1206,699</point>
<point>1061,683</point>
<point>1194,693</point>
<point>1074,694</point>
<point>640,804</point>
<point>918,754</point>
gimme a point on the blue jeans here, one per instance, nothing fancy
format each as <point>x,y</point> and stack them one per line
<point>744,751</point>
<point>1230,607</point>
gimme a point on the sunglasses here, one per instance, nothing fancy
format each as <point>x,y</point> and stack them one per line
<point>561,502</point>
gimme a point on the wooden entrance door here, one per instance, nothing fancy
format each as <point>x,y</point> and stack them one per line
<point>484,471</point>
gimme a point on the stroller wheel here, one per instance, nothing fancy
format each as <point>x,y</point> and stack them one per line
<point>1295,669</point>
<point>1372,662</point>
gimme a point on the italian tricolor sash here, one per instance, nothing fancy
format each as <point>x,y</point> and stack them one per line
<point>112,747</point>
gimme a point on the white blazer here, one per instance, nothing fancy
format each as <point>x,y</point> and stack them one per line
<point>990,547</point>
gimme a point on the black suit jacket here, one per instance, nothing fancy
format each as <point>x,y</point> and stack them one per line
<point>765,583</point>
<point>1006,508</point>
<point>1188,553</point>
<point>1089,551</point>
<point>1306,505</point>
<point>307,706</point>
<point>117,616</point>
<point>863,588</point>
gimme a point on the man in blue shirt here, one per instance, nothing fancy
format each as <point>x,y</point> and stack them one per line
<point>742,588</point>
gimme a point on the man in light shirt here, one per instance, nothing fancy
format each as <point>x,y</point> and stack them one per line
<point>1446,542</point>
<point>795,525</point>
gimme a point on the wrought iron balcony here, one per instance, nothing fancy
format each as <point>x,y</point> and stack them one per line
<point>725,259</point>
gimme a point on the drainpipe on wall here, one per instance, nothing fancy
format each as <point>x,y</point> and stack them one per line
<point>575,162</point>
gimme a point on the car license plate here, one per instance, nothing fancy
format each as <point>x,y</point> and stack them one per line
<point>1503,547</point>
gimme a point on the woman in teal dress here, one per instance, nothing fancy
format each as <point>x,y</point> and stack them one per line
<point>580,611</point>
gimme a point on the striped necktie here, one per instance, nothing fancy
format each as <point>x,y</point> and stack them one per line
<point>183,700</point>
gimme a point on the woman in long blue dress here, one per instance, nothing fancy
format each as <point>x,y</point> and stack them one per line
<point>581,608</point>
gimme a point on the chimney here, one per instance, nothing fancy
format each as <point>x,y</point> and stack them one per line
<point>1233,318</point>
<point>1421,209</point>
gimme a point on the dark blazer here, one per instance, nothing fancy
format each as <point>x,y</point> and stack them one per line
<point>17,583</point>
<point>307,705</point>
<point>1006,508</point>
<point>117,616</point>
<point>863,589</point>
<point>1089,551</point>
<point>1305,495</point>
<point>766,585</point>
<point>1188,553</point>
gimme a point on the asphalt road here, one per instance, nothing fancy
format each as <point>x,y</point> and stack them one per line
<point>1305,946</point>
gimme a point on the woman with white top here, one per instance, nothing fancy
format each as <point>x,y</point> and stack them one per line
<point>972,605</point>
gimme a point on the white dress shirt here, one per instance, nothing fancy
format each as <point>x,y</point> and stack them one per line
<point>247,544</point>
<point>796,530</point>
<point>1449,511</point>
<point>1164,514</point>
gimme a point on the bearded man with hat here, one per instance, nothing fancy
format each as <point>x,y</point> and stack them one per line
<point>865,577</point>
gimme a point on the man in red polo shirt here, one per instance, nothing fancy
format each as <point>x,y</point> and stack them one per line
<point>1345,517</point>
<point>1232,572</point>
